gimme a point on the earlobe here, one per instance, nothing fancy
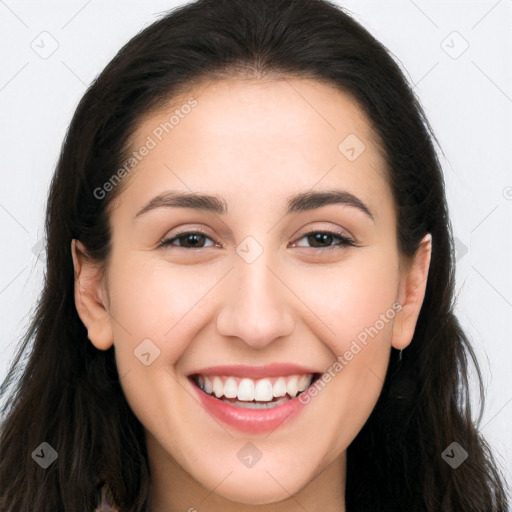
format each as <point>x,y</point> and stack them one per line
<point>411,293</point>
<point>90,298</point>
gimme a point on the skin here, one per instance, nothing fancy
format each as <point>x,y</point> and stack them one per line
<point>255,144</point>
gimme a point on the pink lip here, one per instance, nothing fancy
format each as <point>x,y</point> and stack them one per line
<point>256,372</point>
<point>249,420</point>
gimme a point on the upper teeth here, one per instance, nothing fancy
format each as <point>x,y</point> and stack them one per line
<point>261,390</point>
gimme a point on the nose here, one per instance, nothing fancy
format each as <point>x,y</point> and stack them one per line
<point>257,305</point>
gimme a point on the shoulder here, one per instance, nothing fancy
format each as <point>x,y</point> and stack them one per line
<point>105,500</point>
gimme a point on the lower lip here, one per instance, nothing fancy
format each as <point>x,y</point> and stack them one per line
<point>250,420</point>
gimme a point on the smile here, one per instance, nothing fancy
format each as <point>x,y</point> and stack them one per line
<point>254,394</point>
<point>253,399</point>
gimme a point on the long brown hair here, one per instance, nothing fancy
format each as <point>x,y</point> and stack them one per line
<point>67,393</point>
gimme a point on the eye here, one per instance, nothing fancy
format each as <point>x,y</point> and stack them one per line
<point>188,240</point>
<point>317,239</point>
<point>324,239</point>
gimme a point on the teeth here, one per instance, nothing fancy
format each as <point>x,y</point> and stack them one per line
<point>208,385</point>
<point>279,388</point>
<point>218,387</point>
<point>230,388</point>
<point>246,390</point>
<point>304,382</point>
<point>263,391</point>
<point>249,390</point>
<point>292,387</point>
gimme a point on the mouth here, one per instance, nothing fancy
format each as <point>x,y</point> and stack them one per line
<point>250,393</point>
<point>254,399</point>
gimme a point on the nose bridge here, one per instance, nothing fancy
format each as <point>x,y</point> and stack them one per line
<point>255,307</point>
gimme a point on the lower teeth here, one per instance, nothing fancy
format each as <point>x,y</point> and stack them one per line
<point>256,405</point>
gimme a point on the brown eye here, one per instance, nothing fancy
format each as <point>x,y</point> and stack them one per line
<point>324,239</point>
<point>187,240</point>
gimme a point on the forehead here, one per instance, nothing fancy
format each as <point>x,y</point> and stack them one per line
<point>285,110</point>
<point>262,136</point>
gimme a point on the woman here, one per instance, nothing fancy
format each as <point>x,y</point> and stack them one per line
<point>249,295</point>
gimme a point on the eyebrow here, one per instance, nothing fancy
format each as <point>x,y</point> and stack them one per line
<point>297,203</point>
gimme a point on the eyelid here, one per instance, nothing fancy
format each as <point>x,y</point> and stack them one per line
<point>341,232</point>
<point>165,241</point>
<point>346,240</point>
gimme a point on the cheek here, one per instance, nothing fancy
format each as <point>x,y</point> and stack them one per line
<point>351,300</point>
<point>154,300</point>
<point>353,307</point>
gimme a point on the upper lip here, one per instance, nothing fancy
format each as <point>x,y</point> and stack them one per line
<point>255,372</point>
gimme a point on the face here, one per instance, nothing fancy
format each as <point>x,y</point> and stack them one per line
<point>287,277</point>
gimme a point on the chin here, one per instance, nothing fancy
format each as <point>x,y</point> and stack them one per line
<point>259,487</point>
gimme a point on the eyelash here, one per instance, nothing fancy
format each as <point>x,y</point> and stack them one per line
<point>344,241</point>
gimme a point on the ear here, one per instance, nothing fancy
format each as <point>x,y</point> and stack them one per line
<point>411,292</point>
<point>90,298</point>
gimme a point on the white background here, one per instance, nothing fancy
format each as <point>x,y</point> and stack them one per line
<point>467,97</point>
